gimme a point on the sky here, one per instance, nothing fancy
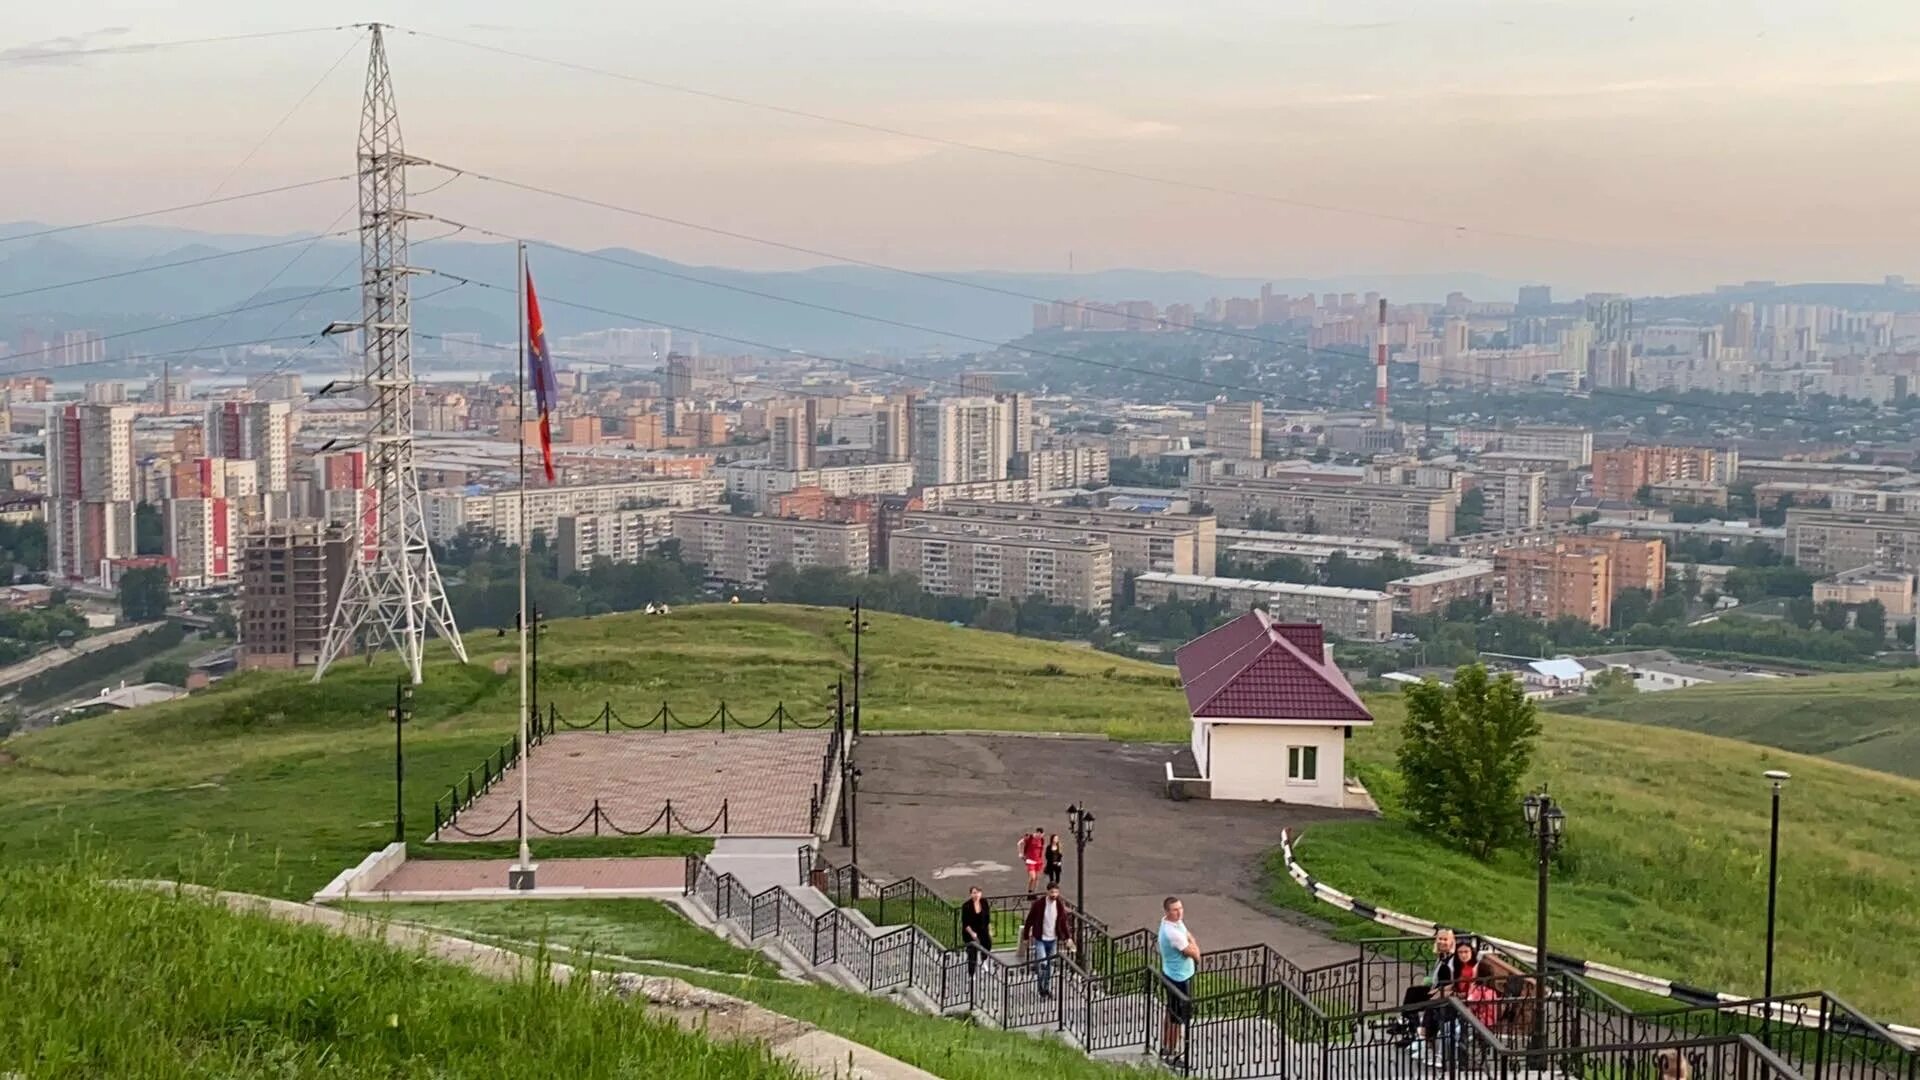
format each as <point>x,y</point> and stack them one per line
<point>1641,146</point>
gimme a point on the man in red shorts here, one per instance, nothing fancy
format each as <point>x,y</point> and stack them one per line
<point>1033,851</point>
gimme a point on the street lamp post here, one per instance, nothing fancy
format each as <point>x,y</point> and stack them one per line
<point>533,667</point>
<point>401,712</point>
<point>1545,822</point>
<point>1080,821</point>
<point>857,624</point>
<point>1779,778</point>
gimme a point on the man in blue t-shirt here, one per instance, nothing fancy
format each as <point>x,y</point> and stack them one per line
<point>1178,952</point>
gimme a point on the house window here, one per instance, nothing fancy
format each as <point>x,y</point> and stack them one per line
<point>1303,764</point>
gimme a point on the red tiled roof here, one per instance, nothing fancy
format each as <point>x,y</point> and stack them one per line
<point>1254,668</point>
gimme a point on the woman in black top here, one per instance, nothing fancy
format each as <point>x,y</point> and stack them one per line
<point>976,927</point>
<point>1056,855</point>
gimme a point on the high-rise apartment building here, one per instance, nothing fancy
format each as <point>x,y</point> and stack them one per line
<point>90,488</point>
<point>1534,298</point>
<point>792,426</point>
<point>1234,428</point>
<point>1618,475</point>
<point>1388,513</point>
<point>893,429</point>
<point>677,384</point>
<point>497,513</point>
<point>1138,543</point>
<point>1553,583</point>
<point>260,431</point>
<point>1835,542</point>
<point>739,550</point>
<point>1637,564</point>
<point>960,440</point>
<point>1054,468</point>
<point>290,578</point>
<point>948,561</point>
<point>1016,412</point>
<point>617,536</point>
<point>1515,498</point>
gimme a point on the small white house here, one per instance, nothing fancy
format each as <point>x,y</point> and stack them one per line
<point>1271,713</point>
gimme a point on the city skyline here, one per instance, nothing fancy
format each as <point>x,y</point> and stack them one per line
<point>1580,144</point>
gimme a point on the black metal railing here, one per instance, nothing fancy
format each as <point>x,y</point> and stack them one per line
<point>595,822</point>
<point>664,719</point>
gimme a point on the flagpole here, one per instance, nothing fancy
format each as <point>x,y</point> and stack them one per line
<point>520,290</point>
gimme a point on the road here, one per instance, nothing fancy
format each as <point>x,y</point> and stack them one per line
<point>56,656</point>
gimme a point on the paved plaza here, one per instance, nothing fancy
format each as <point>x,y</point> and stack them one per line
<point>765,779</point>
<point>948,810</point>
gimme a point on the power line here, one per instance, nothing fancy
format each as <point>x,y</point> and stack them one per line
<point>228,313</point>
<point>1018,155</point>
<point>174,209</point>
<point>171,352</point>
<point>288,265</point>
<point>288,115</point>
<point>155,46</point>
<point>174,265</point>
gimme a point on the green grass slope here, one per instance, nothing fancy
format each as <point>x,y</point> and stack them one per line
<point>112,982</point>
<point>286,783</point>
<point>1866,720</point>
<point>1665,862</point>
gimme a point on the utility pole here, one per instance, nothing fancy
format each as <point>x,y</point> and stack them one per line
<point>858,624</point>
<point>402,712</point>
<point>533,668</point>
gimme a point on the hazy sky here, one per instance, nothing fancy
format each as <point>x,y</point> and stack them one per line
<point>1635,145</point>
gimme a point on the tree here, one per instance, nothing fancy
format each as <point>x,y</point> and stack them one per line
<point>171,672</point>
<point>1472,513</point>
<point>1833,615</point>
<point>143,594</point>
<point>149,530</point>
<point>1613,682</point>
<point>1800,612</point>
<point>1464,750</point>
<point>1630,607</point>
<point>1871,617</point>
<point>998,615</point>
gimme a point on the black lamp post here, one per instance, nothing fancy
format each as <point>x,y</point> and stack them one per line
<point>534,627</point>
<point>401,712</point>
<point>1545,822</point>
<point>858,624</point>
<point>1779,778</point>
<point>1080,821</point>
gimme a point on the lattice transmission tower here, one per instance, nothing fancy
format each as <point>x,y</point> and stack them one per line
<point>395,596</point>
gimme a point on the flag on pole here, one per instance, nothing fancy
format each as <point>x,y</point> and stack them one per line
<point>546,388</point>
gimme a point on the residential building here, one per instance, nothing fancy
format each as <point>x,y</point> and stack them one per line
<point>677,384</point>
<point>497,513</point>
<point>259,431</point>
<point>1817,472</point>
<point>1016,412</point>
<point>756,483</point>
<point>1705,493</point>
<point>1637,563</point>
<point>1488,544</point>
<point>1892,588</point>
<point>1063,467</point>
<point>738,550</point>
<point>936,496</point>
<point>1515,499</point>
<point>1139,543</point>
<point>1392,513</point>
<point>1618,475</point>
<point>1235,428</point>
<point>90,488</point>
<point>1431,591</point>
<point>893,429</point>
<point>1354,614</point>
<point>290,578</point>
<point>792,429</point>
<point>951,561</point>
<point>1553,583</point>
<point>1571,444</point>
<point>200,535</point>
<point>1833,542</point>
<point>1271,712</point>
<point>960,440</point>
<point>619,536</point>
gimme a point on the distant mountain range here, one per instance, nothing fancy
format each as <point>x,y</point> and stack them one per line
<point>662,292</point>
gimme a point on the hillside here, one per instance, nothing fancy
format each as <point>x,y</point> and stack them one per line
<point>1665,862</point>
<point>279,783</point>
<point>1865,720</point>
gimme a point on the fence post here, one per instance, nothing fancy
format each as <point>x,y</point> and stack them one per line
<point>780,716</point>
<point>436,817</point>
<point>596,817</point>
<point>723,716</point>
<point>606,718</point>
<point>1820,1043</point>
<point>725,827</point>
<point>669,817</point>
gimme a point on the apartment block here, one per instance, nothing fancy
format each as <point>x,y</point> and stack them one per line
<point>950,562</point>
<point>1235,429</point>
<point>1354,614</point>
<point>1833,542</point>
<point>738,550</point>
<point>1139,543</point>
<point>1553,583</point>
<point>1432,590</point>
<point>757,482</point>
<point>1618,475</point>
<point>201,537</point>
<point>1490,543</point>
<point>1817,472</point>
<point>1637,564</point>
<point>498,512</point>
<point>791,427</point>
<point>290,579</point>
<point>620,536</point>
<point>1389,513</point>
<point>1064,467</point>
<point>90,488</point>
<point>1570,444</point>
<point>960,440</point>
<point>1515,499</point>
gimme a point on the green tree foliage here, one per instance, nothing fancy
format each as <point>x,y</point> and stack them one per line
<point>997,615</point>
<point>1472,513</point>
<point>149,530</point>
<point>1464,751</point>
<point>143,594</point>
<point>171,672</point>
<point>1613,682</point>
<point>23,543</point>
<point>1751,582</point>
<point>1800,612</point>
<point>1832,615</point>
<point>1630,606</point>
<point>1871,617</point>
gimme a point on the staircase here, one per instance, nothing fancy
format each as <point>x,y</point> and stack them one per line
<point>1253,1013</point>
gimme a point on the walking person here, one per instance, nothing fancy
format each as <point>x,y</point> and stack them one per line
<point>1049,923</point>
<point>1056,860</point>
<point>1033,849</point>
<point>1179,954</point>
<point>976,928</point>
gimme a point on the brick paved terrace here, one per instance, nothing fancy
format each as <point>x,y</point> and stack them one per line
<point>765,779</point>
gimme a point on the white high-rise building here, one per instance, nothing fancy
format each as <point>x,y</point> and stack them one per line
<point>257,431</point>
<point>90,488</point>
<point>960,440</point>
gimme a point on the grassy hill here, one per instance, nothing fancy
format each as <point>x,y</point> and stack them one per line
<point>279,783</point>
<point>1665,862</point>
<point>1866,720</point>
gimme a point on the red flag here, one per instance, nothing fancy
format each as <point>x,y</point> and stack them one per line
<point>546,388</point>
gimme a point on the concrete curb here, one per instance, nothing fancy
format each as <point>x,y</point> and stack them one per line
<point>816,1052</point>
